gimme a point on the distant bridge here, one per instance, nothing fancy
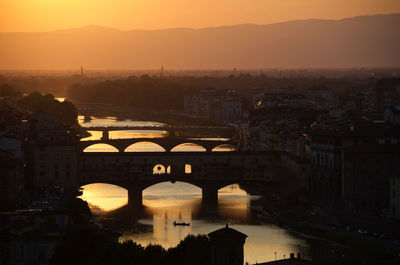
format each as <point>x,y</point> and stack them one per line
<point>161,128</point>
<point>168,143</point>
<point>135,171</point>
<point>172,130</point>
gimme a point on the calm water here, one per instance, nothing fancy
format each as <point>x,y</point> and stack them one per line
<point>168,202</point>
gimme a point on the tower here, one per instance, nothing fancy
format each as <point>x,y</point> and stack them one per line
<point>82,75</point>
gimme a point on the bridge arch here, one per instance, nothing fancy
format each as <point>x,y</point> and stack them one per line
<point>234,189</point>
<point>185,147</point>
<point>180,187</point>
<point>100,147</point>
<point>144,146</point>
<point>224,148</point>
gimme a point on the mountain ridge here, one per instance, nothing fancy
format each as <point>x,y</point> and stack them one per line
<point>203,28</point>
<point>362,41</point>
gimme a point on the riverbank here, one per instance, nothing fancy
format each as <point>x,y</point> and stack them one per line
<point>346,243</point>
<point>169,117</point>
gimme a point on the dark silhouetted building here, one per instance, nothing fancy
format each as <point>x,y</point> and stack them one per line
<point>227,246</point>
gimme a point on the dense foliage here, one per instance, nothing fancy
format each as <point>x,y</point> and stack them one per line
<point>161,93</point>
<point>66,111</point>
<point>164,93</point>
<point>78,210</point>
<point>87,246</point>
<point>6,204</point>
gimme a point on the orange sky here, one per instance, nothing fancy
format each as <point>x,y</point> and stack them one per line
<point>43,15</point>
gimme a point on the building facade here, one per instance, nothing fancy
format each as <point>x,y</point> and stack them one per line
<point>367,173</point>
<point>210,104</point>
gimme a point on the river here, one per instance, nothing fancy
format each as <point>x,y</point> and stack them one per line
<point>167,202</point>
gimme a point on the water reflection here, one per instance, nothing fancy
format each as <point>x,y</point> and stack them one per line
<point>94,135</point>
<point>129,134</point>
<point>168,202</point>
<point>106,197</point>
<point>188,147</point>
<point>113,121</point>
<point>224,148</point>
<point>144,147</point>
<point>100,148</point>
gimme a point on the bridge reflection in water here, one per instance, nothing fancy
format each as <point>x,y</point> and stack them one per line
<point>108,197</point>
<point>166,202</point>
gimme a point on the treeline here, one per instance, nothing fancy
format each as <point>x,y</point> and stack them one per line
<point>144,93</point>
<point>163,93</point>
<point>35,102</point>
<point>88,246</point>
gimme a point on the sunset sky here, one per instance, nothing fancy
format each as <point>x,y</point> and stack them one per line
<point>44,15</point>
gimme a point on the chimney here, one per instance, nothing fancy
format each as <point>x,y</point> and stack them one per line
<point>291,255</point>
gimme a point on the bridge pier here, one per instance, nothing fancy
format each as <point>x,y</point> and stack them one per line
<point>209,195</point>
<point>105,135</point>
<point>135,197</point>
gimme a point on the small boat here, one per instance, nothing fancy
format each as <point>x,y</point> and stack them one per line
<point>181,223</point>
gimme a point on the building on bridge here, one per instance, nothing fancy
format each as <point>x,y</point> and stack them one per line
<point>136,171</point>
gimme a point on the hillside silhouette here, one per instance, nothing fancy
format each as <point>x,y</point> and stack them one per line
<point>352,42</point>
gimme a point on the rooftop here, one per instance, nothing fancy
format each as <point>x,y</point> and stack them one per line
<point>227,233</point>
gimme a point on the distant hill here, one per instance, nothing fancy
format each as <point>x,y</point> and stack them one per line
<point>353,42</point>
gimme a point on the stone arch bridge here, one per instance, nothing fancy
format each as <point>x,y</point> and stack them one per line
<point>168,143</point>
<point>135,171</point>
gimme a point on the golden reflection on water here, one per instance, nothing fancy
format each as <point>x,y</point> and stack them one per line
<point>128,134</point>
<point>106,197</point>
<point>224,148</point>
<point>113,121</point>
<point>147,146</point>
<point>144,147</point>
<point>188,147</point>
<point>95,135</point>
<point>168,202</point>
<point>101,148</point>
